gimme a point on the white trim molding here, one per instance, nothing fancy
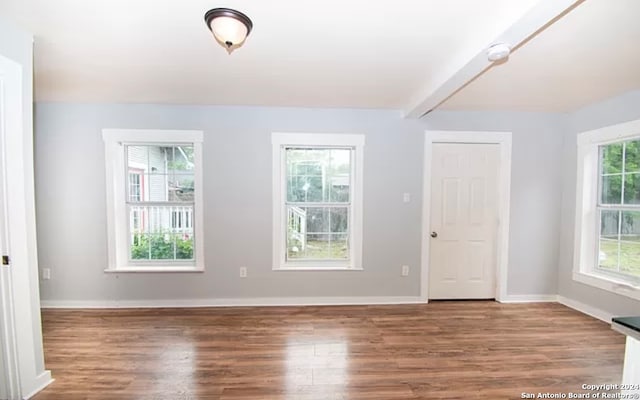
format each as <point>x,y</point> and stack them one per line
<point>354,142</point>
<point>591,311</point>
<point>587,228</point>
<point>304,301</point>
<point>40,382</point>
<point>529,298</point>
<point>503,139</point>
<point>233,302</point>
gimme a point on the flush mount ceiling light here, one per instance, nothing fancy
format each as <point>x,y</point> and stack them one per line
<point>229,27</point>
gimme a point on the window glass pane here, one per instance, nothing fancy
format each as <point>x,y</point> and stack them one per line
<point>620,253</point>
<point>318,175</point>
<point>339,246</point>
<point>180,159</point>
<point>608,251</point>
<point>317,232</point>
<point>180,168</point>
<point>632,156</point>
<point>629,257</point>
<point>632,188</point>
<point>157,187</point>
<point>135,185</point>
<point>339,175</point>
<point>138,158</point>
<point>611,190</point>
<point>161,232</point>
<point>611,158</point>
<point>181,187</point>
<point>324,246</point>
<point>340,219</point>
<point>167,172</point>
<point>318,219</point>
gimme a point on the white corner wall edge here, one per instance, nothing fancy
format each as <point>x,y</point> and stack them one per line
<point>233,302</point>
<point>530,298</point>
<point>42,381</point>
<point>586,309</point>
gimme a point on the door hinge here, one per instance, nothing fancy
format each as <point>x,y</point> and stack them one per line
<point>5,260</point>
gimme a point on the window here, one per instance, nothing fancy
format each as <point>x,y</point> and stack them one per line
<point>619,209</point>
<point>608,209</point>
<point>317,204</point>
<point>154,200</point>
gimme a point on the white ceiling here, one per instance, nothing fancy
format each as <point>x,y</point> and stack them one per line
<point>329,53</point>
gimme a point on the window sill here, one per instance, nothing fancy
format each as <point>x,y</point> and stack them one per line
<point>154,269</point>
<point>610,284</point>
<point>316,268</point>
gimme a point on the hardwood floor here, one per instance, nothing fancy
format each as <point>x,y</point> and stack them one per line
<point>443,350</point>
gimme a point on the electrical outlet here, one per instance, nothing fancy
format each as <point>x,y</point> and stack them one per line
<point>243,272</point>
<point>405,270</point>
<point>406,197</point>
<point>46,274</point>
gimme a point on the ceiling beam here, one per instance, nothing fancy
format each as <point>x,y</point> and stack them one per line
<point>465,67</point>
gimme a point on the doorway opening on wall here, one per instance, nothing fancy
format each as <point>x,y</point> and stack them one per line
<point>466,215</point>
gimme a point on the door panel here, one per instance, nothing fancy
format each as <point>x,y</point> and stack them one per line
<point>464,216</point>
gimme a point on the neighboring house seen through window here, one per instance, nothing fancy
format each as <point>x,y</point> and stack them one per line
<point>157,226</point>
<point>607,251</point>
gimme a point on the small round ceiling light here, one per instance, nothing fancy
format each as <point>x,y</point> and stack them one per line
<point>498,52</point>
<point>229,27</point>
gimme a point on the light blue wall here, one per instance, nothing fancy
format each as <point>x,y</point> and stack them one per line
<point>237,192</point>
<point>237,209</point>
<point>610,112</point>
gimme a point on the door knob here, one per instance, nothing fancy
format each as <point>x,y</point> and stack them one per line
<point>434,234</point>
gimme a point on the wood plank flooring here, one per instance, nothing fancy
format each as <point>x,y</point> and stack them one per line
<point>441,350</point>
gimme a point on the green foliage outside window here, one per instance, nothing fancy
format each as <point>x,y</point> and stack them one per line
<point>621,168</point>
<point>160,246</point>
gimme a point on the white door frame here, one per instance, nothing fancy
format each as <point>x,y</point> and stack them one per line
<point>10,86</point>
<point>503,139</point>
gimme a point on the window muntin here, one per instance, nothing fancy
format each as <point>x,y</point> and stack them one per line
<point>618,209</point>
<point>318,203</point>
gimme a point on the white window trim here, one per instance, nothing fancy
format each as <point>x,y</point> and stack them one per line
<point>279,141</point>
<point>116,205</point>
<point>586,229</point>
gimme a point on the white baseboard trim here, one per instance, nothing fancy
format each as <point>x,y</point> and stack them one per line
<point>232,302</point>
<point>530,298</point>
<point>42,381</point>
<point>305,301</point>
<point>586,309</point>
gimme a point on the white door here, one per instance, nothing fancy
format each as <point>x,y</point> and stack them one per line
<point>464,221</point>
